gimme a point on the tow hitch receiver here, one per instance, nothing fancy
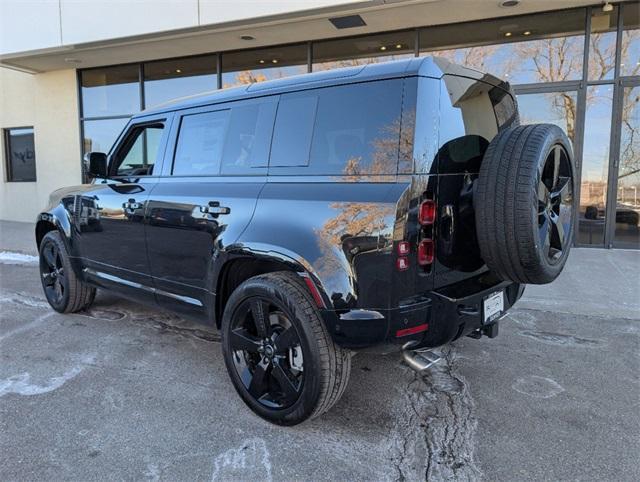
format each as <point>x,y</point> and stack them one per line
<point>420,360</point>
<point>490,330</point>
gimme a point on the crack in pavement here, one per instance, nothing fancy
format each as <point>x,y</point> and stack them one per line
<point>435,438</point>
<point>560,339</point>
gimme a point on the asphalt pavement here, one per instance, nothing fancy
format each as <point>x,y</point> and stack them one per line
<point>128,392</point>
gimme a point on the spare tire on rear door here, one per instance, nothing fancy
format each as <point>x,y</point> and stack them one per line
<point>524,203</point>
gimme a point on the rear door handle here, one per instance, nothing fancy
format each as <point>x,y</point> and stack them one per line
<point>214,208</point>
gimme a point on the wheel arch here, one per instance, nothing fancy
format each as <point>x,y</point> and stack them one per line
<point>249,262</point>
<point>55,219</point>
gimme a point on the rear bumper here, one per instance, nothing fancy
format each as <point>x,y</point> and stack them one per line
<point>448,313</point>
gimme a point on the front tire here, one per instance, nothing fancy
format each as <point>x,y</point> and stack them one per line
<point>65,292</point>
<point>279,355</point>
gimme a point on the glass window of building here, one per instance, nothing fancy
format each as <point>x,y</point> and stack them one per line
<point>99,135</point>
<point>348,52</point>
<point>169,79</point>
<point>595,165</point>
<point>627,231</point>
<point>110,91</point>
<point>525,49</point>
<point>630,48</point>
<point>20,154</point>
<point>602,44</point>
<point>250,66</point>
<point>553,107</point>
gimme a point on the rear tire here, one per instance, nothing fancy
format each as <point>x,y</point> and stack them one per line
<point>257,350</point>
<point>524,203</point>
<point>64,291</point>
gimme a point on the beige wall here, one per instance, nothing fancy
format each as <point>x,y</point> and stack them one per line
<point>48,102</point>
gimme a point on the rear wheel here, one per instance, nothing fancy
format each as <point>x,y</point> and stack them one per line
<point>64,291</point>
<point>280,357</point>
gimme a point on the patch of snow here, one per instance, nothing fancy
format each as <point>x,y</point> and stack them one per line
<point>250,461</point>
<point>21,384</point>
<point>12,257</point>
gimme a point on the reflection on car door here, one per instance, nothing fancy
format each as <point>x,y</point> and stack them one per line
<point>110,216</point>
<point>216,166</point>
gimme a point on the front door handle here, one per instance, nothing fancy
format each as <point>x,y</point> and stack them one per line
<point>214,209</point>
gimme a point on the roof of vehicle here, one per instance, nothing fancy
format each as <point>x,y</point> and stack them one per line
<point>434,67</point>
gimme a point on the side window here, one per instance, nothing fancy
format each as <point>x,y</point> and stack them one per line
<point>248,137</point>
<point>357,129</point>
<point>139,153</point>
<point>342,130</point>
<point>293,130</point>
<point>200,143</point>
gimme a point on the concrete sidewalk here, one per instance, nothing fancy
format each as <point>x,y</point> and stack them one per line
<point>18,237</point>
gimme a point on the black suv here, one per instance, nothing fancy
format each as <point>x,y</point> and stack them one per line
<point>392,206</point>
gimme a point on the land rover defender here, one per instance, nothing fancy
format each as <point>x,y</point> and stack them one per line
<point>394,206</point>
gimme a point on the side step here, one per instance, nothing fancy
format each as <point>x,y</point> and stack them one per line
<point>420,360</point>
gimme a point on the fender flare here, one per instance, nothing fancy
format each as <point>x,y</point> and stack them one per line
<point>58,216</point>
<point>276,254</point>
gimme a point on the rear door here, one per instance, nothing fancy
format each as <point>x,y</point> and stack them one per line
<point>216,166</point>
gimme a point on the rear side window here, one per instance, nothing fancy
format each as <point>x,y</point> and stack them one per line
<point>293,130</point>
<point>200,142</point>
<point>354,130</point>
<point>248,137</point>
<point>357,129</point>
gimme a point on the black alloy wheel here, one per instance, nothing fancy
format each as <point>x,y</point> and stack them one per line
<point>279,355</point>
<point>555,203</point>
<point>54,278</point>
<point>65,292</point>
<point>267,353</point>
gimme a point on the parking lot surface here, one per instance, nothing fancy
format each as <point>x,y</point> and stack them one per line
<point>125,391</point>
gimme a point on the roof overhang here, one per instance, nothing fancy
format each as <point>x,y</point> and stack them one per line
<point>379,15</point>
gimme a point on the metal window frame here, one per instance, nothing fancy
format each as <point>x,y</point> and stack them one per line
<point>620,83</point>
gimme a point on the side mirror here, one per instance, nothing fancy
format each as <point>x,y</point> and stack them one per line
<point>95,164</point>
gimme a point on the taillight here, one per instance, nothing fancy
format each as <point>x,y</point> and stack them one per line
<point>426,252</point>
<point>402,263</point>
<point>427,212</point>
<point>403,248</point>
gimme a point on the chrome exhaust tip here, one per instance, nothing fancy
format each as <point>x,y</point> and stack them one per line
<point>420,360</point>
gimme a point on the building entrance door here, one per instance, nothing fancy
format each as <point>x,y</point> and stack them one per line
<point>623,230</point>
